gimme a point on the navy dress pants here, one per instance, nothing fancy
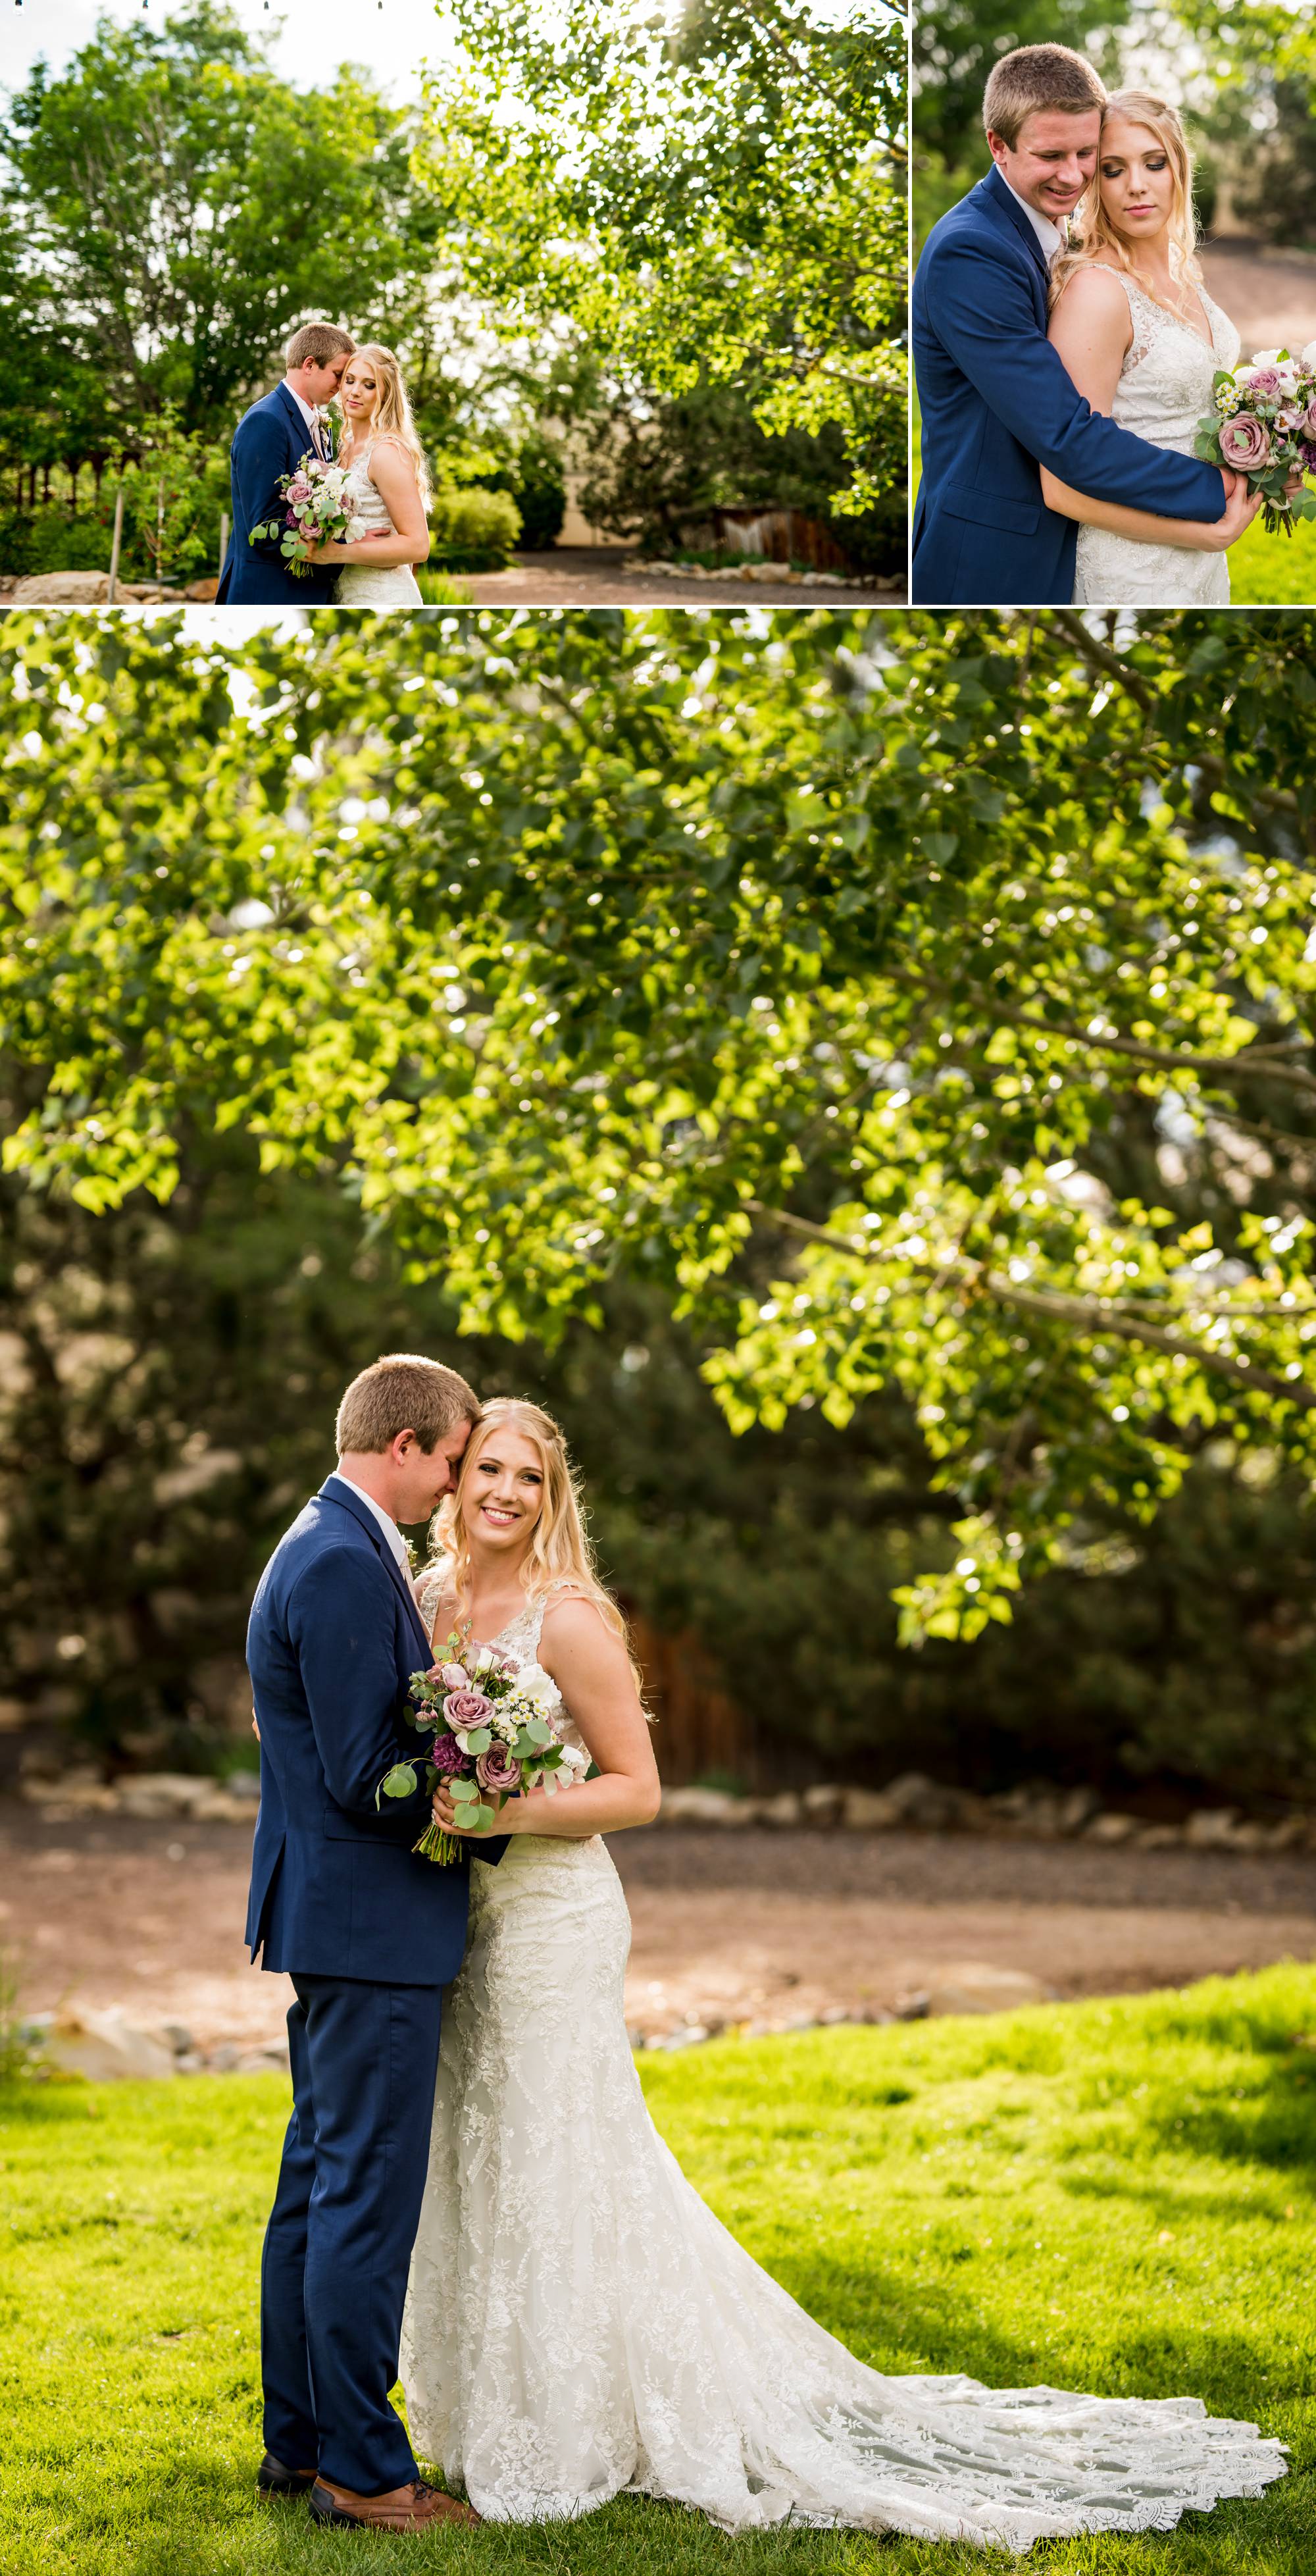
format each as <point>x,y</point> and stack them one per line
<point>338,2245</point>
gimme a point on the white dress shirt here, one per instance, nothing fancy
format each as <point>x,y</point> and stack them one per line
<point>389,1526</point>
<point>1049,235</point>
<point>312,420</point>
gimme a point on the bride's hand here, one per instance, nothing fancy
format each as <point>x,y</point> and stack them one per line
<point>506,1822</point>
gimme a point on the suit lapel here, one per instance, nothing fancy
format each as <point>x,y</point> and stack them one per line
<point>998,196</point>
<point>333,1490</point>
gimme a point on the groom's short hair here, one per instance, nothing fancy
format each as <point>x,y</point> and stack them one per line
<point>1038,80</point>
<point>403,1392</point>
<point>316,343</point>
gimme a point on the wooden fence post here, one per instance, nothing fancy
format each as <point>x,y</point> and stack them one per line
<point>115,545</point>
<point>223,540</point>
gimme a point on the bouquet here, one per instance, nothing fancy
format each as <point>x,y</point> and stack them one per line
<point>489,1739</point>
<point>315,511</point>
<point>1264,427</point>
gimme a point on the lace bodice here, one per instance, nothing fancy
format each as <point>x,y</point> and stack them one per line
<point>1163,391</point>
<point>519,1639</point>
<point>372,585</point>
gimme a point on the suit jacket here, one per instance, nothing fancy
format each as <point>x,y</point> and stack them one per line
<point>334,1637</point>
<point>271,439</point>
<point>996,403</point>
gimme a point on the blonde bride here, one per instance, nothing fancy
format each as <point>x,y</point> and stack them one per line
<point>388,487</point>
<point>578,2323</point>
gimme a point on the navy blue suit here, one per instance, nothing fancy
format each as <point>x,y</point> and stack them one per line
<point>271,439</point>
<point>369,1934</point>
<point>996,403</point>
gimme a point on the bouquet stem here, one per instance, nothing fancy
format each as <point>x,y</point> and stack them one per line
<point>435,1844</point>
<point>1276,517</point>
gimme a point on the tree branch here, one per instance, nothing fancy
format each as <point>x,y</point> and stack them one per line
<point>1086,1314</point>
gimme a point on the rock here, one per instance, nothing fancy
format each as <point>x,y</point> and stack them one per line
<point>1211,1829</point>
<point>102,2046</point>
<point>1077,1808</point>
<point>1111,1828</point>
<point>978,1988</point>
<point>823,1804</point>
<point>224,2059</point>
<point>923,1802</point>
<point>160,1793</point>
<point>868,1811</point>
<point>703,1807</point>
<point>273,2059</point>
<point>82,589</point>
<point>177,2036</point>
<point>202,589</point>
<point>218,1808</point>
<point>244,1785</point>
<point>1158,1838</point>
<point>913,2007</point>
<point>785,1809</point>
<point>1290,1836</point>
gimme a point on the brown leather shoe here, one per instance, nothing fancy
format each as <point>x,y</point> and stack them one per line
<point>410,2508</point>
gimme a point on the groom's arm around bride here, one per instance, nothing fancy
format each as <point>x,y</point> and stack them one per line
<point>997,403</point>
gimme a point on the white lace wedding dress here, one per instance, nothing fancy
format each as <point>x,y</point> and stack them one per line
<point>1163,392</point>
<point>373,585</point>
<point>578,2322</point>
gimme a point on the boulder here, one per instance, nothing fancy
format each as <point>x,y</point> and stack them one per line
<point>82,590</point>
<point>1158,1838</point>
<point>103,2046</point>
<point>703,1807</point>
<point>162,1793</point>
<point>787,1808</point>
<point>923,1801</point>
<point>868,1811</point>
<point>978,1988</point>
<point>1212,1829</point>
<point>823,1803</point>
<point>1111,1828</point>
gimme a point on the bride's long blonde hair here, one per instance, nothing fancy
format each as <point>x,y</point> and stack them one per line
<point>1095,236</point>
<point>391,417</point>
<point>560,1551</point>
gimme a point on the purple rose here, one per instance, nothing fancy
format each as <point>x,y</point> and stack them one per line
<point>299,489</point>
<point>453,1677</point>
<point>1307,451</point>
<point>497,1770</point>
<point>1308,422</point>
<point>446,1754</point>
<point>1244,444</point>
<point>1263,382</point>
<point>465,1708</point>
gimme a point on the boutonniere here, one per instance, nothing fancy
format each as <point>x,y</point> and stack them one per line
<point>412,1558</point>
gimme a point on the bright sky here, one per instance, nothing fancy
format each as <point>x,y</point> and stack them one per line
<point>307,38</point>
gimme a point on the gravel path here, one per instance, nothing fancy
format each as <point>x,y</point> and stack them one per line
<point>595,577</point>
<point>756,1926</point>
<point>1272,300</point>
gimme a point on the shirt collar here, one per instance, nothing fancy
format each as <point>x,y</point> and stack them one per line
<point>308,413</point>
<point>1049,235</point>
<point>389,1526</point>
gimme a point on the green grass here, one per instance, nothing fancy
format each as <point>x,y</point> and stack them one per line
<point>441,589</point>
<point>1274,572</point>
<point>1118,2196</point>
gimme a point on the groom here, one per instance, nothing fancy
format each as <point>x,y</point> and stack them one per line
<point>368,1934</point>
<point>270,440</point>
<point>996,400</point>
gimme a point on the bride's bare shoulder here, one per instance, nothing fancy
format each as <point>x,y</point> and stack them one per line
<point>1096,286</point>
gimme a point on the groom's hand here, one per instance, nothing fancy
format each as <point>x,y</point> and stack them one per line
<point>1241,507</point>
<point>446,1820</point>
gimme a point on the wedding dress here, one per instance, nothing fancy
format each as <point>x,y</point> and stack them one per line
<point>1163,392</point>
<point>370,585</point>
<point>579,2324</point>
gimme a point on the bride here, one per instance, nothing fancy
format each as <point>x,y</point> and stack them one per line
<point>1141,339</point>
<point>578,2322</point>
<point>388,487</point>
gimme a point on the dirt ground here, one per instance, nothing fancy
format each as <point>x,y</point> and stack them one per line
<point>594,577</point>
<point>756,1927</point>
<point>1272,300</point>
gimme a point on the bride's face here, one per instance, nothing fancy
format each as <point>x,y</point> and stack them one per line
<point>1136,180</point>
<point>503,1492</point>
<point>358,392</point>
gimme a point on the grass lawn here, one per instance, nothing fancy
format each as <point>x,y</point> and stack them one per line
<point>1274,572</point>
<point>1117,2196</point>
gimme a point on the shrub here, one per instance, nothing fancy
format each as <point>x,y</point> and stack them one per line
<point>474,530</point>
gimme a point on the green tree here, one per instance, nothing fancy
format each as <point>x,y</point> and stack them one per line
<point>183,209</point>
<point>614,946</point>
<point>721,195</point>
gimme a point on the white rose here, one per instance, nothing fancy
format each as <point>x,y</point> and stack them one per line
<point>535,1684</point>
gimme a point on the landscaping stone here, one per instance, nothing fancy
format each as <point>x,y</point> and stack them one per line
<point>868,1811</point>
<point>1212,1829</point>
<point>823,1804</point>
<point>103,2046</point>
<point>783,1810</point>
<point>82,590</point>
<point>976,1988</point>
<point>1111,1828</point>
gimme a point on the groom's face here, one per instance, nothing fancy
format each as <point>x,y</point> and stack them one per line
<point>1053,159</point>
<point>323,382</point>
